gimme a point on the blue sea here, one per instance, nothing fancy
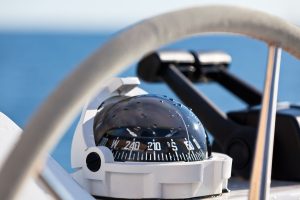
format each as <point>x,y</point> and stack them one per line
<point>33,64</point>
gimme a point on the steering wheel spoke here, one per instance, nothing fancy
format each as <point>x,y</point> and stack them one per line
<point>261,172</point>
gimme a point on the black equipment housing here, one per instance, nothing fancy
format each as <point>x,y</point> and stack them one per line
<point>235,132</point>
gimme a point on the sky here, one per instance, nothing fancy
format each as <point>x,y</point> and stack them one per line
<point>95,15</point>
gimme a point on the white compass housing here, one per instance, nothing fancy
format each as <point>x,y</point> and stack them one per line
<point>98,172</point>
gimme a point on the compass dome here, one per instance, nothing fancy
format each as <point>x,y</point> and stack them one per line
<point>150,128</point>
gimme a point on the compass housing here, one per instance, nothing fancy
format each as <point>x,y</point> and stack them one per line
<point>100,140</point>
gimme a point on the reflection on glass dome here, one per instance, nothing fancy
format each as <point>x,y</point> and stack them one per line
<point>150,128</point>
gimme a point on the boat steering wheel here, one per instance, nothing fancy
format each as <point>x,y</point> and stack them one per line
<point>57,112</point>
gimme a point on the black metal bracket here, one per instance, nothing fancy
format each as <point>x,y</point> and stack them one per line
<point>234,133</point>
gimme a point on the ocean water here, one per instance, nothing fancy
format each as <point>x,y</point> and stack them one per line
<point>33,64</point>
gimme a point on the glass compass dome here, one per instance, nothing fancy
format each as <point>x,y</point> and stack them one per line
<point>150,128</point>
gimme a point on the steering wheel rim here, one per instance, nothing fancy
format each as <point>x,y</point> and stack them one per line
<point>57,112</point>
